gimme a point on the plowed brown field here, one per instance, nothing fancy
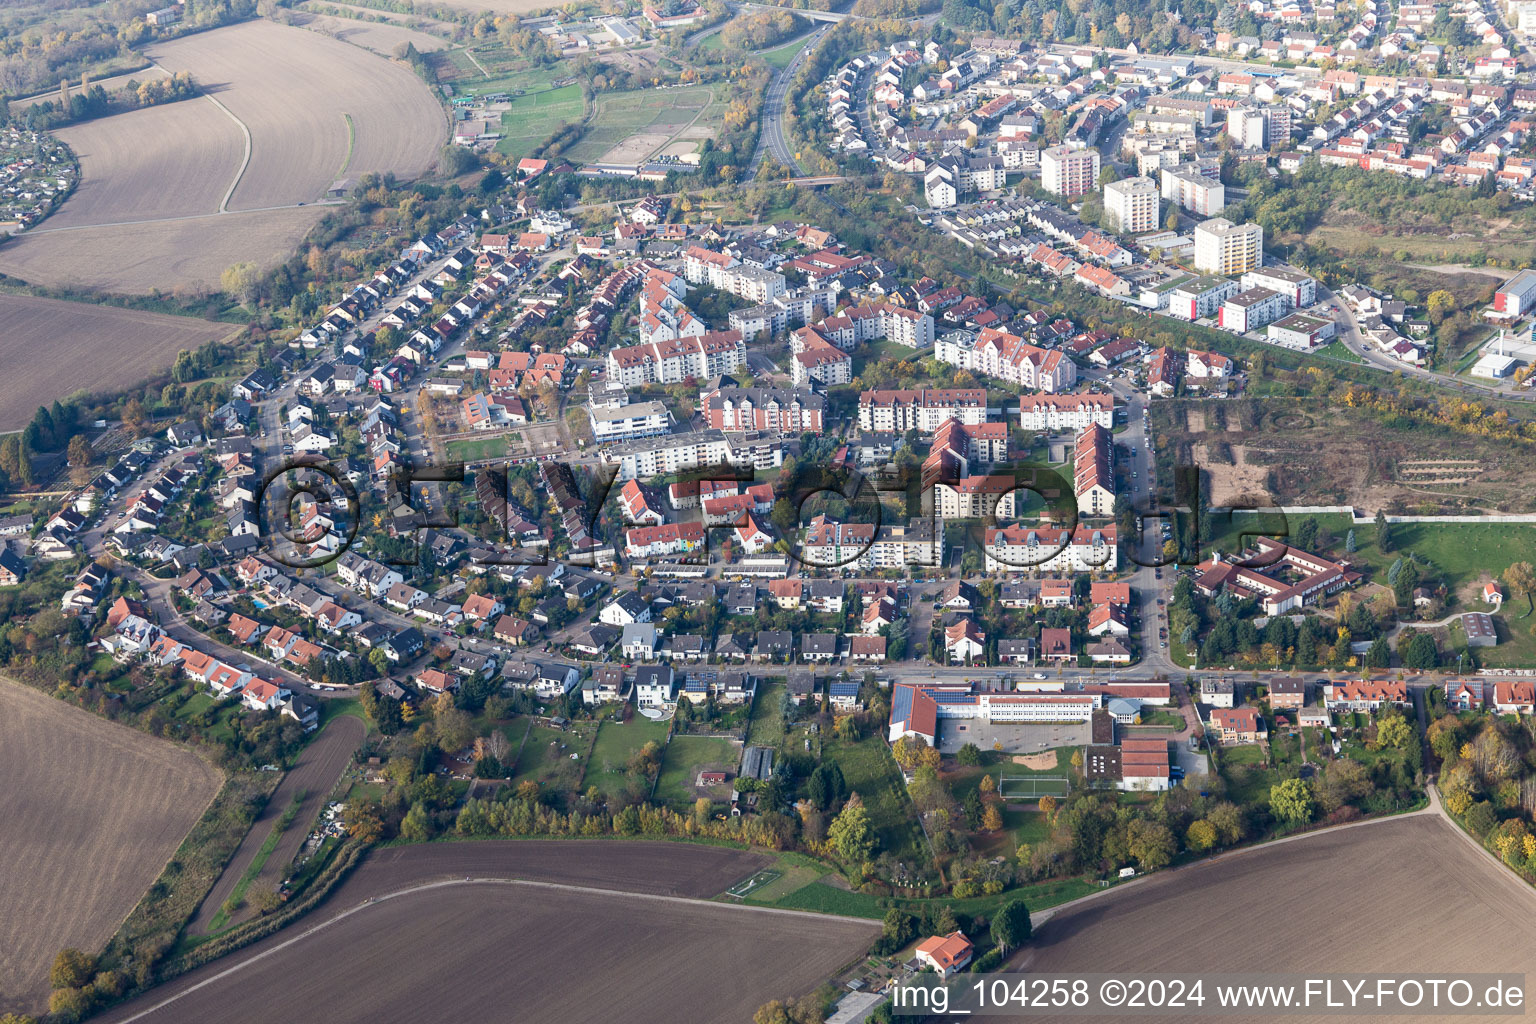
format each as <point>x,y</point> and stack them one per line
<point>92,811</point>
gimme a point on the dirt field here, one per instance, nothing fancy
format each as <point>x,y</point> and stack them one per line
<point>444,951</point>
<point>295,91</point>
<point>1339,456</point>
<point>317,109</point>
<point>449,953</point>
<point>123,179</point>
<point>166,255</point>
<point>315,775</point>
<point>1432,910</point>
<point>86,347</point>
<point>92,811</point>
<point>370,35</point>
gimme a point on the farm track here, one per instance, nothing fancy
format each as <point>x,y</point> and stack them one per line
<point>319,767</point>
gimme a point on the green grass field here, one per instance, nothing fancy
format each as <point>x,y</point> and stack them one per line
<point>829,899</point>
<point>767,728</point>
<point>535,116</point>
<point>474,448</point>
<point>781,56</point>
<point>688,755</point>
<point>546,756</point>
<point>615,745</point>
<point>871,771</point>
<point>1461,551</point>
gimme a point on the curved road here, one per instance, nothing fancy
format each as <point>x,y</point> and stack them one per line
<point>770,139</point>
<point>1354,340</point>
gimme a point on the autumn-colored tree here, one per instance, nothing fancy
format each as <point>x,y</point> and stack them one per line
<point>992,819</point>
<point>1200,836</point>
<point>72,968</point>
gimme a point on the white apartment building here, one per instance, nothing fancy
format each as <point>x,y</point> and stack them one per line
<point>1069,172</point>
<point>1246,127</point>
<point>627,422</point>
<point>1054,413</point>
<point>1253,309</point>
<point>1299,288</point>
<point>1131,206</point>
<point>1188,188</point>
<point>975,497</point>
<point>924,410</point>
<point>673,453</point>
<point>1201,298</point>
<point>725,272</point>
<point>675,360</point>
<point>994,353</point>
<point>1222,247</point>
<point>1049,549</point>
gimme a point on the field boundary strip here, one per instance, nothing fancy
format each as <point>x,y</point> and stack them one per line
<point>373,901</point>
<point>245,161</point>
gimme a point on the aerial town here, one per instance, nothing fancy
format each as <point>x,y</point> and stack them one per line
<point>939,476</point>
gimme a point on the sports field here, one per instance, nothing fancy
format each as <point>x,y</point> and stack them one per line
<point>627,127</point>
<point>534,117</point>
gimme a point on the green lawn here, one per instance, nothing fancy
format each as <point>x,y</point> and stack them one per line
<point>1250,753</point>
<point>535,116</point>
<point>615,745</point>
<point>1337,350</point>
<point>546,756</point>
<point>688,755</point>
<point>767,728</point>
<point>1517,641</point>
<point>781,56</point>
<point>830,899</point>
<point>476,448</point>
<point>871,771</point>
<point>1461,551</point>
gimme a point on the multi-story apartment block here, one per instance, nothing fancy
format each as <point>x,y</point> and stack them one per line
<point>771,410</point>
<point>975,497</point>
<point>1051,413</point>
<point>1196,192</point>
<point>1050,549</point>
<point>995,353</point>
<point>676,360</point>
<point>1297,287</point>
<point>627,422</point>
<point>1202,298</point>
<point>1069,172</point>
<point>1131,206</point>
<point>1222,247</point>
<point>674,453</point>
<point>923,410</point>
<point>1253,309</point>
<point>1093,478</point>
